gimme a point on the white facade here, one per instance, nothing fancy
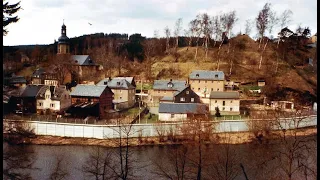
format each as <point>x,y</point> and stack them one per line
<point>226,106</point>
<point>48,103</point>
<point>172,117</point>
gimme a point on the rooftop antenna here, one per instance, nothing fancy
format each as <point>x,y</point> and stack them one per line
<point>63,21</point>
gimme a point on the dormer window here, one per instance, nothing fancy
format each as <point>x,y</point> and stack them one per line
<point>216,76</point>
<point>170,84</point>
<point>118,83</point>
<point>197,75</point>
<point>90,61</point>
<point>105,83</point>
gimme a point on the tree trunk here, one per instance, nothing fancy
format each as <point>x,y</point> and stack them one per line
<point>262,54</point>
<point>195,55</point>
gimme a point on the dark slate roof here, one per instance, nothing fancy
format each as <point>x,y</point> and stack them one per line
<point>88,90</point>
<point>116,83</point>
<point>224,95</point>
<point>83,60</point>
<point>38,72</point>
<point>183,108</point>
<point>32,90</point>
<point>58,92</point>
<point>207,75</point>
<point>169,85</point>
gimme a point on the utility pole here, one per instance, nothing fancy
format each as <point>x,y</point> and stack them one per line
<point>140,100</point>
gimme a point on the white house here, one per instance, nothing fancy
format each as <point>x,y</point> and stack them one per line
<point>53,98</point>
<point>228,102</point>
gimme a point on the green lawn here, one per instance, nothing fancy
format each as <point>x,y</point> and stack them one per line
<point>133,111</point>
<point>146,120</point>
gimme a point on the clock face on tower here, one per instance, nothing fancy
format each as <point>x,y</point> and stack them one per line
<point>63,31</point>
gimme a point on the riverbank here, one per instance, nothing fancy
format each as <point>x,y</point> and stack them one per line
<point>217,138</point>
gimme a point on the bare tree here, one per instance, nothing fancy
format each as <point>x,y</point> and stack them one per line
<point>167,33</point>
<point>248,25</point>
<point>225,161</point>
<point>98,164</point>
<point>17,162</point>
<point>59,173</point>
<point>177,165</point>
<point>262,21</point>
<point>177,29</point>
<point>207,31</point>
<point>196,26</point>
<point>228,20</point>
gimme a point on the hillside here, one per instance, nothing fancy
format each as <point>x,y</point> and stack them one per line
<point>245,67</point>
<point>293,70</point>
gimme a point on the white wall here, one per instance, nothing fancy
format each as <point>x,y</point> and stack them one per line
<point>145,130</point>
<point>176,117</point>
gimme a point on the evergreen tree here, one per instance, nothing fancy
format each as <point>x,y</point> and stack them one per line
<point>8,11</point>
<point>217,112</point>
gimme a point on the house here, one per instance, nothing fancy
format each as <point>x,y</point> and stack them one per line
<point>53,98</point>
<point>204,82</point>
<point>15,81</point>
<point>228,102</point>
<point>123,89</point>
<point>85,66</point>
<point>261,83</point>
<point>40,76</point>
<point>12,100</point>
<point>181,111</point>
<point>282,105</point>
<point>185,95</point>
<point>162,88</point>
<point>29,98</point>
<point>228,85</point>
<point>91,100</point>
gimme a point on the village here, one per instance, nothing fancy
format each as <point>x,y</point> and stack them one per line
<point>129,100</point>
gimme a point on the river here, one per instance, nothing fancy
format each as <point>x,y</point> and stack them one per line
<point>74,157</point>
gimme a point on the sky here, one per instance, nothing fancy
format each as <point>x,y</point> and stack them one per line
<point>40,20</point>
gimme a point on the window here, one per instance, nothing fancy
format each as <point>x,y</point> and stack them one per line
<point>192,99</point>
<point>198,89</point>
<point>199,81</point>
<point>187,92</point>
<point>40,104</point>
<point>218,89</point>
<point>197,75</point>
<point>51,105</point>
<point>223,103</point>
<point>230,101</point>
<point>172,115</point>
<point>216,76</point>
<point>120,97</point>
<point>223,109</point>
<point>182,99</point>
<point>215,101</point>
<point>230,109</point>
<point>211,89</point>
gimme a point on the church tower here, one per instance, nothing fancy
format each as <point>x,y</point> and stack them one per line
<point>63,41</point>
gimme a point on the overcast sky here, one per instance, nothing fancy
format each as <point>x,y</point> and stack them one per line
<point>40,20</point>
